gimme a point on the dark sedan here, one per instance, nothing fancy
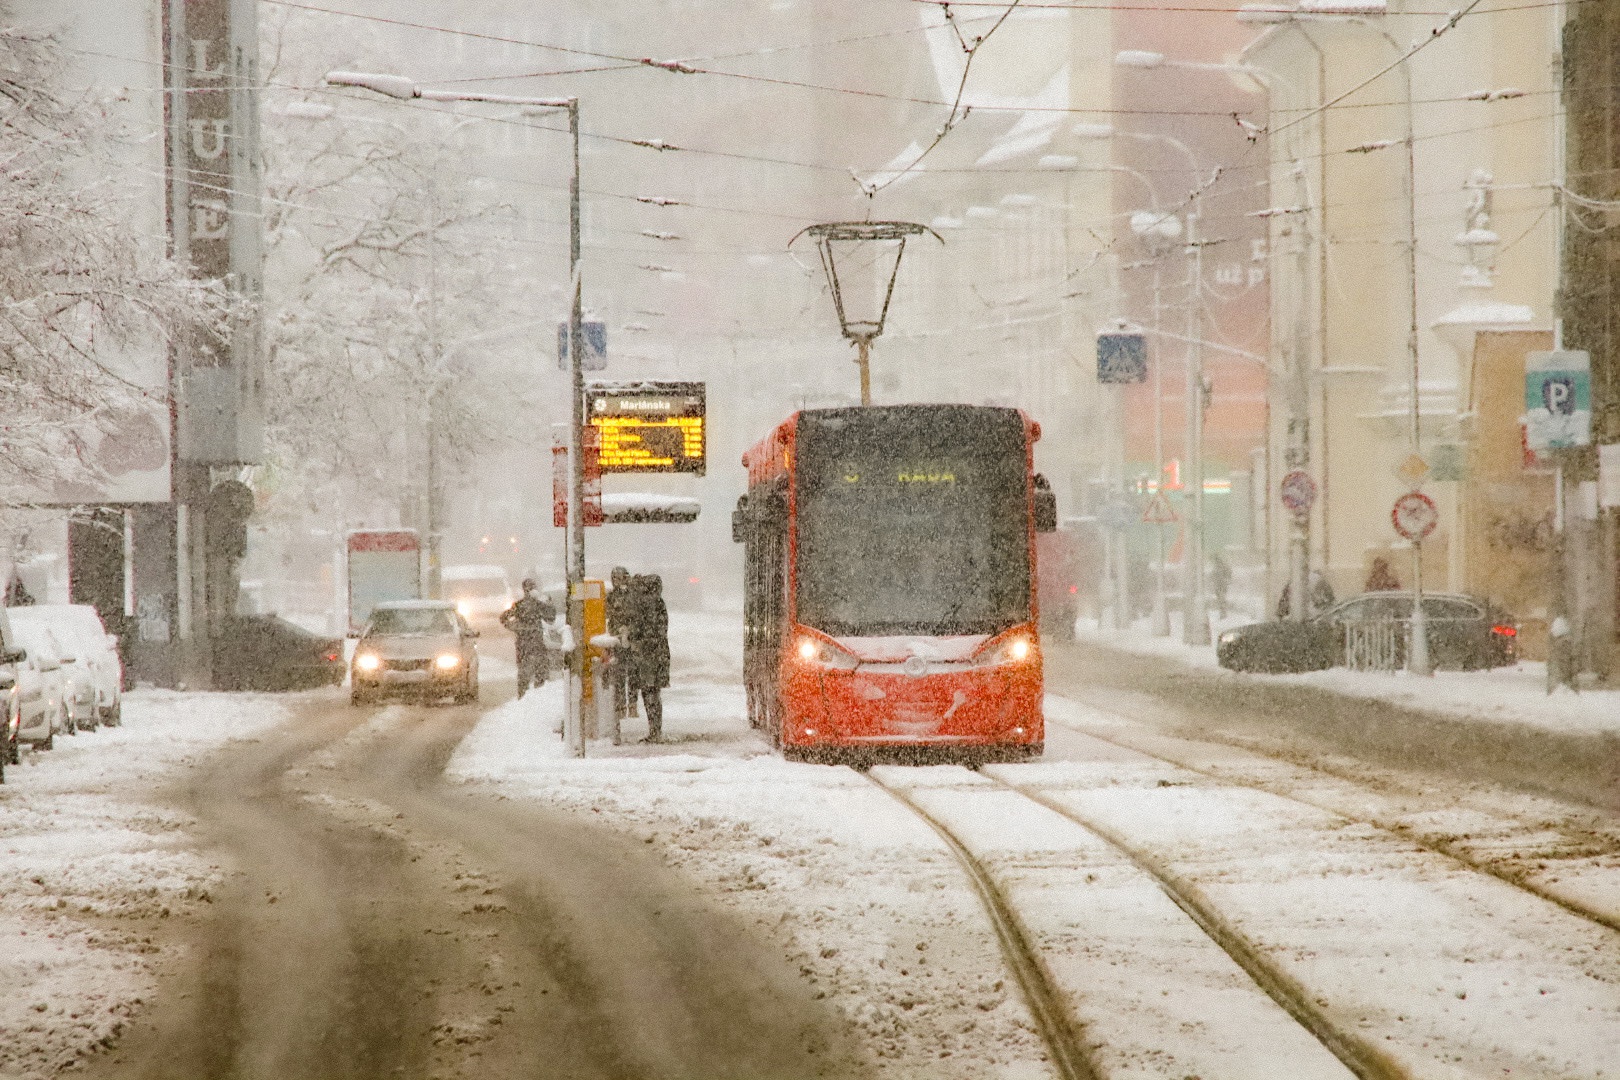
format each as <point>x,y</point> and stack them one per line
<point>1464,634</point>
<point>264,652</point>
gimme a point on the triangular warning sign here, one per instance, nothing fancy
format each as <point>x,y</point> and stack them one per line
<point>1159,511</point>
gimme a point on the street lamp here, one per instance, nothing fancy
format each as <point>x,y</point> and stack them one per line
<point>1157,229</point>
<point>397,86</point>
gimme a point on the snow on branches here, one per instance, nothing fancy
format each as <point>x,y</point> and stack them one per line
<point>89,302</point>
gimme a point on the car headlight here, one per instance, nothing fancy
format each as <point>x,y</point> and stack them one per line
<point>812,650</point>
<point>368,661</point>
<point>1013,650</point>
<point>1229,637</point>
<point>465,609</point>
<point>446,661</point>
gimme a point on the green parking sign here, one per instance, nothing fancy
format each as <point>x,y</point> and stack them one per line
<point>1557,399</point>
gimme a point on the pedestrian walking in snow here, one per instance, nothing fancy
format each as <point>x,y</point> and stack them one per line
<point>527,620</point>
<point>647,627</point>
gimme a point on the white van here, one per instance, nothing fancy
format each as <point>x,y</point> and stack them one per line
<point>479,591</point>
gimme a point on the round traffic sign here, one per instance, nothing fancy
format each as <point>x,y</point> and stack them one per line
<point>1298,491</point>
<point>1414,515</point>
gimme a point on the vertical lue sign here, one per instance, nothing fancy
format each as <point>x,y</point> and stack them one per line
<point>1121,357</point>
<point>1557,400</point>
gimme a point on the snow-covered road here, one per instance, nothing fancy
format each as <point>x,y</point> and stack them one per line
<point>1448,929</point>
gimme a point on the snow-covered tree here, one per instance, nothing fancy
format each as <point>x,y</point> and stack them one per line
<point>88,301</point>
<point>383,262</point>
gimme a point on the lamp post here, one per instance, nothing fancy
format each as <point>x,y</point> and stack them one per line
<point>1195,628</point>
<point>1417,654</point>
<point>397,86</point>
<point>1155,228</point>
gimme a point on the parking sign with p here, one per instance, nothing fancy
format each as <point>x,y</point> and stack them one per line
<point>1557,399</point>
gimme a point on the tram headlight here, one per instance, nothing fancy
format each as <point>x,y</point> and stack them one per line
<point>816,651</point>
<point>1012,650</point>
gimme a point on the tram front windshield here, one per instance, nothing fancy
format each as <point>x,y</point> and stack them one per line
<point>912,520</point>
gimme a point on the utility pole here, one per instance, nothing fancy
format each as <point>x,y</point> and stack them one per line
<point>397,86</point>
<point>1195,630</point>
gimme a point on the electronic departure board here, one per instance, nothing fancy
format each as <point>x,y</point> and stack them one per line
<point>649,427</point>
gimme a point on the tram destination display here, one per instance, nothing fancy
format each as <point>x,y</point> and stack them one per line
<point>649,427</point>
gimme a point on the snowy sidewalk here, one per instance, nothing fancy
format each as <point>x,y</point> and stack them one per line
<point>1509,695</point>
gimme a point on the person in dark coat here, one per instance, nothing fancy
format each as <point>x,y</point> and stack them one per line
<point>527,620</point>
<point>1381,578</point>
<point>618,671</point>
<point>647,626</point>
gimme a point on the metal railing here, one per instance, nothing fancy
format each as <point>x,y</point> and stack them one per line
<point>1375,644</point>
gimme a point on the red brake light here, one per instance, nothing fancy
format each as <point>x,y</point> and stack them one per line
<point>1505,631</point>
<point>331,656</point>
<point>1074,588</point>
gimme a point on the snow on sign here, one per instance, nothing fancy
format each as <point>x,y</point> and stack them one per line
<point>1414,515</point>
<point>1558,399</point>
<point>1298,492</point>
<point>1121,357</point>
<point>649,427</point>
<point>595,356</point>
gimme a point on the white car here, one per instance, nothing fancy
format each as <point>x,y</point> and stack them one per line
<point>78,680</point>
<point>41,688</point>
<point>79,629</point>
<point>480,592</point>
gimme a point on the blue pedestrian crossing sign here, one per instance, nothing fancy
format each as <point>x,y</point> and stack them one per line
<point>1121,356</point>
<point>1557,399</point>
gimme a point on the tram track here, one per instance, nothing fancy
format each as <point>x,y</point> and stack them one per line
<point>1065,1035</point>
<point>1358,1055</point>
<point>1441,845</point>
<point>1062,1034</point>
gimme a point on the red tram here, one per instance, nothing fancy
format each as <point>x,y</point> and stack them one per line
<point>890,600</point>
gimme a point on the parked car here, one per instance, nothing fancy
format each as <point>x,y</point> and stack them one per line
<point>79,628</point>
<point>1464,633</point>
<point>419,648</point>
<point>480,592</point>
<point>41,688</point>
<point>268,653</point>
<point>78,674</point>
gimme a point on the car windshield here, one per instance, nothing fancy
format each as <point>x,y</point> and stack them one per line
<point>412,621</point>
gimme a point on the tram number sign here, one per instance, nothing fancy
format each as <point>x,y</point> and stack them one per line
<point>649,427</point>
<point>1414,515</point>
<point>1298,492</point>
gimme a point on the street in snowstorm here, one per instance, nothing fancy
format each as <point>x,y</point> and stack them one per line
<point>826,539</point>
